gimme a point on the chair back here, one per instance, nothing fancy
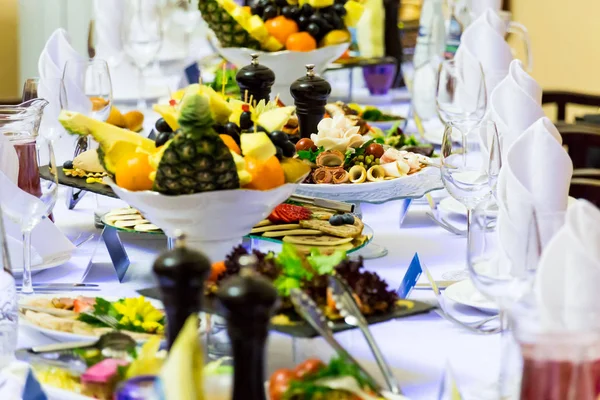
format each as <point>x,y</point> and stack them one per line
<point>584,188</point>
<point>582,142</point>
<point>562,99</point>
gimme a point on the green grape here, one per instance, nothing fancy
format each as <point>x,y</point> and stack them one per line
<point>377,161</point>
<point>360,158</point>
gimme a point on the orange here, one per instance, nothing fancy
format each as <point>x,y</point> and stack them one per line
<point>281,28</point>
<point>300,41</point>
<point>133,173</point>
<point>229,142</point>
<point>265,174</point>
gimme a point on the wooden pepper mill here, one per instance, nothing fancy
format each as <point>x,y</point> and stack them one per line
<point>181,273</point>
<point>255,80</point>
<point>248,301</point>
<point>310,95</point>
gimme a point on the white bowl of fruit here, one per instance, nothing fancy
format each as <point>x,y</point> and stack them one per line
<point>288,34</point>
<point>196,178</point>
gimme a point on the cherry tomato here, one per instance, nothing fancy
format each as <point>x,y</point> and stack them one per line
<point>305,144</point>
<point>375,150</point>
<point>308,367</point>
<point>279,383</point>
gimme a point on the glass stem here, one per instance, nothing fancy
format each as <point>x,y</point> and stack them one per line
<point>504,389</point>
<point>141,103</point>
<point>27,287</point>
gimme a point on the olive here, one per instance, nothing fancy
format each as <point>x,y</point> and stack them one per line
<point>279,138</point>
<point>278,153</point>
<point>260,129</point>
<point>305,144</point>
<point>302,22</point>
<point>270,12</point>
<point>375,150</point>
<point>68,165</point>
<point>313,29</point>
<point>339,9</point>
<point>288,149</point>
<point>162,138</point>
<point>281,3</point>
<point>348,219</point>
<point>219,128</point>
<point>246,120</point>
<point>336,220</point>
<point>162,126</point>
<point>307,10</point>
<point>231,129</point>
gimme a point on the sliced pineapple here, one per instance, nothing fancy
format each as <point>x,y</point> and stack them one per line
<point>354,11</point>
<point>317,3</point>
<point>169,113</point>
<point>275,120</point>
<point>272,44</point>
<point>257,28</point>
<point>257,145</point>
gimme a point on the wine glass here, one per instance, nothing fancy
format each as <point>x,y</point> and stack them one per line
<point>9,316</point>
<point>461,98</point>
<point>37,197</point>
<point>503,267</point>
<point>87,88</point>
<point>467,169</point>
<point>142,36</point>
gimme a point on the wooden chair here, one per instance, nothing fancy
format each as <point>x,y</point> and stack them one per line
<point>582,142</point>
<point>587,173</point>
<point>584,188</point>
<point>562,99</point>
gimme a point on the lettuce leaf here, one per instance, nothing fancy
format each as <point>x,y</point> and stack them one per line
<point>324,264</point>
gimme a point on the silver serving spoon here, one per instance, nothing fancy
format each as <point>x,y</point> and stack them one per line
<point>346,304</point>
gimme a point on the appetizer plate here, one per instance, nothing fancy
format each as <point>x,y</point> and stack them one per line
<point>78,183</point>
<point>453,206</point>
<point>367,232</point>
<point>465,293</point>
<point>52,261</point>
<point>408,187</point>
<point>67,336</point>
<point>134,229</point>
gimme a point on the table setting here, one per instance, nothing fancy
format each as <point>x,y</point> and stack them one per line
<point>273,243</point>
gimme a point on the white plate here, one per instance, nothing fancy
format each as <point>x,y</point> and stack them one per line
<point>52,261</point>
<point>412,186</point>
<point>66,336</point>
<point>453,206</point>
<point>465,293</point>
<point>436,135</point>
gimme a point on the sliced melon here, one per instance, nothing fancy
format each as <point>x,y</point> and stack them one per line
<point>275,120</point>
<point>257,145</point>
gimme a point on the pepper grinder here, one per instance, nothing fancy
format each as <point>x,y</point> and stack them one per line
<point>248,301</point>
<point>181,273</point>
<point>310,95</point>
<point>255,81</point>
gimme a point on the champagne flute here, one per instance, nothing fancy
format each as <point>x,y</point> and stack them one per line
<point>461,98</point>
<point>87,88</point>
<point>27,207</point>
<point>465,170</point>
<point>142,36</point>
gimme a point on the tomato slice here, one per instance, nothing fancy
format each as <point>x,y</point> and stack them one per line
<point>280,383</point>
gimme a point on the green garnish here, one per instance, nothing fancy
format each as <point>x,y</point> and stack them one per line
<point>350,155</point>
<point>310,155</point>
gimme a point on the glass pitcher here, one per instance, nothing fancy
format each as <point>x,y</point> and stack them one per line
<point>20,124</point>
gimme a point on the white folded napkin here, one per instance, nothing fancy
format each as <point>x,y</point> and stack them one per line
<point>15,251</point>
<point>569,272</point>
<point>56,53</point>
<point>515,104</point>
<point>107,28</point>
<point>483,42</point>
<point>535,176</point>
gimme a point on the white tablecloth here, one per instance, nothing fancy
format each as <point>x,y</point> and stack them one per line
<point>417,347</point>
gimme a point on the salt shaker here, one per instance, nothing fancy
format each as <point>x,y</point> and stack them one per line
<point>248,301</point>
<point>310,95</point>
<point>181,273</point>
<point>255,81</point>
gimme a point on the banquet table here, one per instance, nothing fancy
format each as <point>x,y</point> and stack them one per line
<point>419,348</point>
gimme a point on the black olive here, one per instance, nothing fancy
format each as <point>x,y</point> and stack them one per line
<point>162,126</point>
<point>232,129</point>
<point>313,29</point>
<point>246,120</point>
<point>302,22</point>
<point>348,219</point>
<point>336,220</point>
<point>162,138</point>
<point>279,153</point>
<point>270,12</point>
<point>289,149</point>
<point>339,9</point>
<point>68,165</point>
<point>307,10</point>
<point>279,138</point>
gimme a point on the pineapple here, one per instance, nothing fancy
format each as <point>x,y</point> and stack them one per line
<point>196,159</point>
<point>227,29</point>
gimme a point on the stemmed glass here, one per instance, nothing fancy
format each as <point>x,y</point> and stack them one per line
<point>504,271</point>
<point>461,98</point>
<point>35,201</point>
<point>142,36</point>
<point>468,169</point>
<point>9,314</point>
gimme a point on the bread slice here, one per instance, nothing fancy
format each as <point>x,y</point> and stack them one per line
<point>344,231</point>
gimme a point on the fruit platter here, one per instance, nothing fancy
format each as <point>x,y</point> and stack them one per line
<point>199,168</point>
<point>286,34</point>
<point>292,269</point>
<point>75,318</point>
<point>311,228</point>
